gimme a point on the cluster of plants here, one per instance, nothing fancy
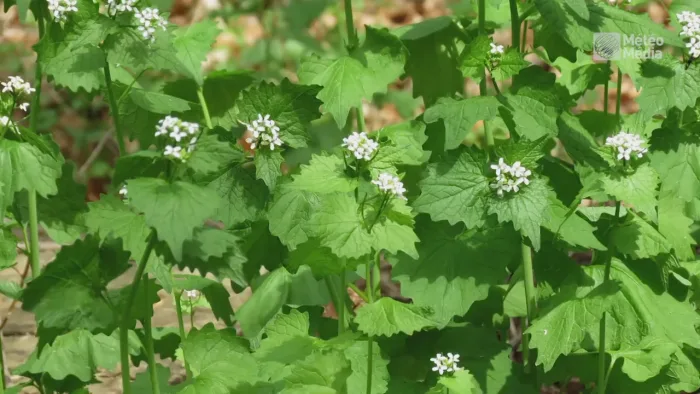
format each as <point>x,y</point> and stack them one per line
<point>481,223</point>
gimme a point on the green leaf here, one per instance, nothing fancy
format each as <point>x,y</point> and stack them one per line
<point>192,44</point>
<point>339,226</point>
<point>173,209</point>
<point>70,293</point>
<point>572,229</point>
<point>213,155</point>
<point>404,147</point>
<point>25,167</point>
<point>432,63</point>
<point>268,166</point>
<point>327,369</point>
<point>216,294</point>
<point>389,317</point>
<point>348,80</point>
<point>455,189</point>
<point>265,302</point>
<point>212,355</point>
<point>460,116</point>
<point>583,74</point>
<point>635,315</point>
<point>674,225</point>
<point>324,174</point>
<point>676,158</point>
<point>454,270</point>
<point>77,353</point>
<point>638,189</point>
<point>142,383</point>
<point>638,239</point>
<point>461,382</point>
<point>289,213</point>
<point>141,164</point>
<point>320,259</point>
<point>61,213</point>
<point>528,209</point>
<point>243,197</point>
<point>579,143</point>
<point>12,290</point>
<point>128,49</point>
<point>475,57</point>
<point>157,102</point>
<point>291,106</point>
<point>357,355</point>
<point>510,64</point>
<point>667,83</point>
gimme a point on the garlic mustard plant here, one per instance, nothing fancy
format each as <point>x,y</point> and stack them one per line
<point>149,21</point>
<point>60,9</point>
<point>509,178</point>
<point>390,184</point>
<point>360,146</point>
<point>264,133</point>
<point>627,145</point>
<point>17,87</point>
<point>447,363</point>
<point>115,7</point>
<point>181,137</point>
<point>690,23</point>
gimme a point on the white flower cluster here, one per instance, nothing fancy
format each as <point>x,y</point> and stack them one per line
<point>115,7</point>
<point>390,184</point>
<point>60,8</point>
<point>627,145</point>
<point>183,135</point>
<point>509,178</point>
<point>149,20</point>
<point>691,30</point>
<point>265,132</point>
<point>445,364</point>
<point>496,49</point>
<point>124,192</point>
<point>360,145</point>
<point>4,121</point>
<point>17,85</point>
<point>191,294</point>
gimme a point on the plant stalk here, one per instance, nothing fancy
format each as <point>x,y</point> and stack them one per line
<point>619,92</point>
<point>33,125</point>
<point>148,338</point>
<point>524,39</point>
<point>2,367</point>
<point>514,24</point>
<point>530,298</point>
<point>606,92</point>
<point>353,40</point>
<point>181,328</point>
<point>370,341</point>
<point>488,133</point>
<point>205,109</point>
<point>114,108</point>
<point>342,294</point>
<point>126,314</point>
<point>603,372</point>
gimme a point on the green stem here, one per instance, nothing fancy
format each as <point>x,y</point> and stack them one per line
<point>488,133</point>
<point>148,338</point>
<point>529,11</point>
<point>619,92</point>
<point>342,294</point>
<point>33,125</point>
<point>360,120</point>
<point>602,375</point>
<point>2,368</point>
<point>114,108</point>
<point>359,292</point>
<point>126,314</point>
<point>482,16</point>
<point>353,40</point>
<point>181,327</point>
<point>370,341</point>
<point>514,24</point>
<point>530,298</point>
<point>205,109</point>
<point>523,42</point>
<point>606,91</point>
<point>34,235</point>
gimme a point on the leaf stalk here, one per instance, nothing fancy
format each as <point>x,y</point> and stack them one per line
<point>181,328</point>
<point>114,108</point>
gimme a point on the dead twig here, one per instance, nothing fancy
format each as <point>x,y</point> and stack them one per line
<point>95,154</point>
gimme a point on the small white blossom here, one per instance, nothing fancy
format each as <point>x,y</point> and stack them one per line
<point>24,107</point>
<point>182,135</point>
<point>390,184</point>
<point>445,364</point>
<point>496,49</point>
<point>60,8</point>
<point>265,132</point>
<point>360,145</point>
<point>627,145</point>
<point>149,20</point>
<point>690,24</point>
<point>191,294</point>
<point>4,121</point>
<point>115,7</point>
<point>123,191</point>
<point>17,85</point>
<point>509,178</point>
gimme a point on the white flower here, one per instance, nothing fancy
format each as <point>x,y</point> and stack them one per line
<point>509,178</point>
<point>4,121</point>
<point>24,107</point>
<point>627,145</point>
<point>191,294</point>
<point>149,20</point>
<point>690,24</point>
<point>360,145</point>
<point>390,184</point>
<point>173,151</point>
<point>445,364</point>
<point>496,49</point>
<point>182,135</point>
<point>265,132</point>
<point>60,8</point>
<point>115,7</point>
<point>17,85</point>
<point>123,191</point>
